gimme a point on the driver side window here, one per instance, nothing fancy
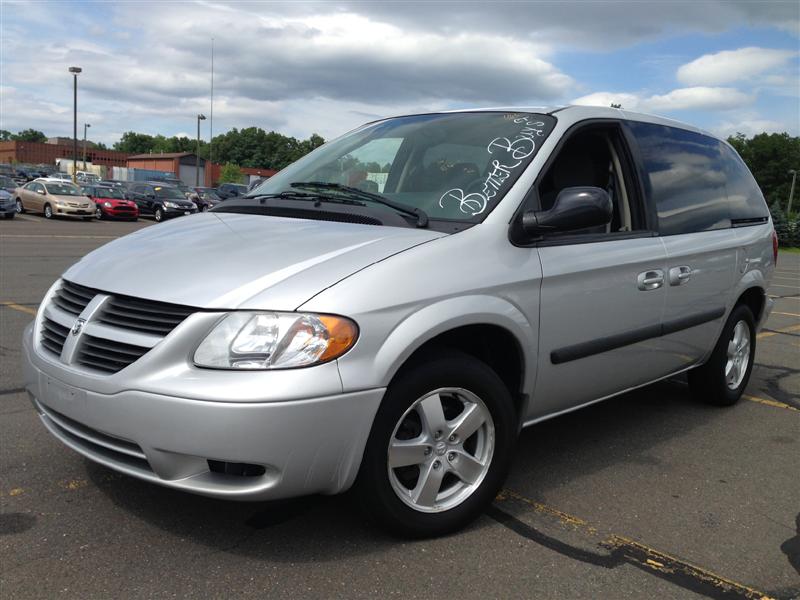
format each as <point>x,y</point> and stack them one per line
<point>592,157</point>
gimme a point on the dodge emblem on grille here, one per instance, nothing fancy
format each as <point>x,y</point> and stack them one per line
<point>76,329</point>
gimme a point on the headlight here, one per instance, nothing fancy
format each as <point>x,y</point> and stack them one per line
<point>264,340</point>
<point>107,204</point>
<point>169,204</point>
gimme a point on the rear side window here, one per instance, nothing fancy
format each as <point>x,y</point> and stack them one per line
<point>746,202</point>
<point>685,177</point>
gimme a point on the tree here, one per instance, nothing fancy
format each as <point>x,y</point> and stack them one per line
<point>29,135</point>
<point>230,173</point>
<point>770,156</point>
<point>5,135</point>
<point>135,143</point>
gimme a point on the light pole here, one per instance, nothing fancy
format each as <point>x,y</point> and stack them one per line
<point>197,153</point>
<point>85,125</point>
<point>74,71</point>
<point>793,173</point>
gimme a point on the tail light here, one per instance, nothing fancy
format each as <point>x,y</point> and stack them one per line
<point>775,246</point>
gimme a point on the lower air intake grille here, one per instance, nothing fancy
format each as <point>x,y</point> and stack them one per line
<point>109,356</point>
<point>53,336</point>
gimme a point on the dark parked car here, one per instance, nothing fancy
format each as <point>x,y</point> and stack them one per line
<point>231,190</point>
<point>161,201</point>
<point>7,183</point>
<point>205,198</point>
<point>111,202</point>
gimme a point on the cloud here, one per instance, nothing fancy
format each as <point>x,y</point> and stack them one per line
<point>748,126</point>
<point>681,99</point>
<point>729,66</point>
<point>699,98</point>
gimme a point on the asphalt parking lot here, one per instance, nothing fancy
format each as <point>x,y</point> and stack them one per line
<point>648,495</point>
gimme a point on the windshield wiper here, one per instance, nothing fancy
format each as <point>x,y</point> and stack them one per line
<point>316,197</point>
<point>421,215</point>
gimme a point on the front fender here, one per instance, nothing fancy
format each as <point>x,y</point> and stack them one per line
<point>375,366</point>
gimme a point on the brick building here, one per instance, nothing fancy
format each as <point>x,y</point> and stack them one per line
<point>38,153</point>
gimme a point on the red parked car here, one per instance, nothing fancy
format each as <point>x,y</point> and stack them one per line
<point>111,203</point>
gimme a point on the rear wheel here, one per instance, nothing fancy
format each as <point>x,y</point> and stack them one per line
<point>48,211</point>
<point>724,377</point>
<point>440,446</point>
<point>20,208</point>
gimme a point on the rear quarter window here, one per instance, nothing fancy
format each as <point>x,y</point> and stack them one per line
<point>685,177</point>
<point>746,202</point>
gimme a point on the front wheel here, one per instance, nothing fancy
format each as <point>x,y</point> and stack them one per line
<point>158,215</point>
<point>10,215</point>
<point>98,214</point>
<point>48,211</point>
<point>440,446</point>
<point>724,377</point>
<point>20,208</point>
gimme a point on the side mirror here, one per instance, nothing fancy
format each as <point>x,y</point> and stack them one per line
<point>575,208</point>
<point>42,192</point>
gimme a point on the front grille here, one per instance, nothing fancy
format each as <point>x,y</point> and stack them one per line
<point>158,318</point>
<point>115,345</point>
<point>109,356</point>
<point>53,336</point>
<point>73,298</point>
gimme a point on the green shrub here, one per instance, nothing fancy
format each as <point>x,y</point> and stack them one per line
<point>787,227</point>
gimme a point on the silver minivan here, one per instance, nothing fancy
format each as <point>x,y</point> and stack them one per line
<point>389,311</point>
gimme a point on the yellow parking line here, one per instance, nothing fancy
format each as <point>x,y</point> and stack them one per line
<point>766,334</point>
<point>625,550</point>
<point>19,307</point>
<point>768,402</point>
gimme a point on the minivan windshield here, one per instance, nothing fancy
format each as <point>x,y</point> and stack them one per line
<point>452,166</point>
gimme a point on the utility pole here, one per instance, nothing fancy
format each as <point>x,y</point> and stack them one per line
<point>793,173</point>
<point>85,125</point>
<point>74,71</point>
<point>197,153</point>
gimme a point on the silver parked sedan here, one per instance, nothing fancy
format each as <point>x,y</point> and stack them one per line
<point>390,310</point>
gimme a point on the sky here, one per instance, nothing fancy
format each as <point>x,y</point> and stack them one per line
<point>326,67</point>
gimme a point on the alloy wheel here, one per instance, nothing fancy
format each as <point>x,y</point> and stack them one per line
<point>738,355</point>
<point>441,450</point>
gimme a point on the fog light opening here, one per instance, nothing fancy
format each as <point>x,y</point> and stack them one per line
<point>238,469</point>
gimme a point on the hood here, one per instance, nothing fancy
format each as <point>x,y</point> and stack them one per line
<point>226,260</point>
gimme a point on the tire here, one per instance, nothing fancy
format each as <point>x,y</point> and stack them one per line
<point>395,496</point>
<point>88,218</point>
<point>158,215</point>
<point>10,215</point>
<point>20,208</point>
<point>48,211</point>
<point>722,379</point>
<point>98,214</point>
<point>205,208</point>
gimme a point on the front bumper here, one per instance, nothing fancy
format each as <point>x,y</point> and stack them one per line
<point>73,211</point>
<point>178,212</point>
<point>118,212</point>
<point>306,446</point>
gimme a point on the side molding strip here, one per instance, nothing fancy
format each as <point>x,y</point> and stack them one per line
<point>612,342</point>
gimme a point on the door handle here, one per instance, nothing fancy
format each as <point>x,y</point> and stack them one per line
<point>679,275</point>
<point>650,280</point>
